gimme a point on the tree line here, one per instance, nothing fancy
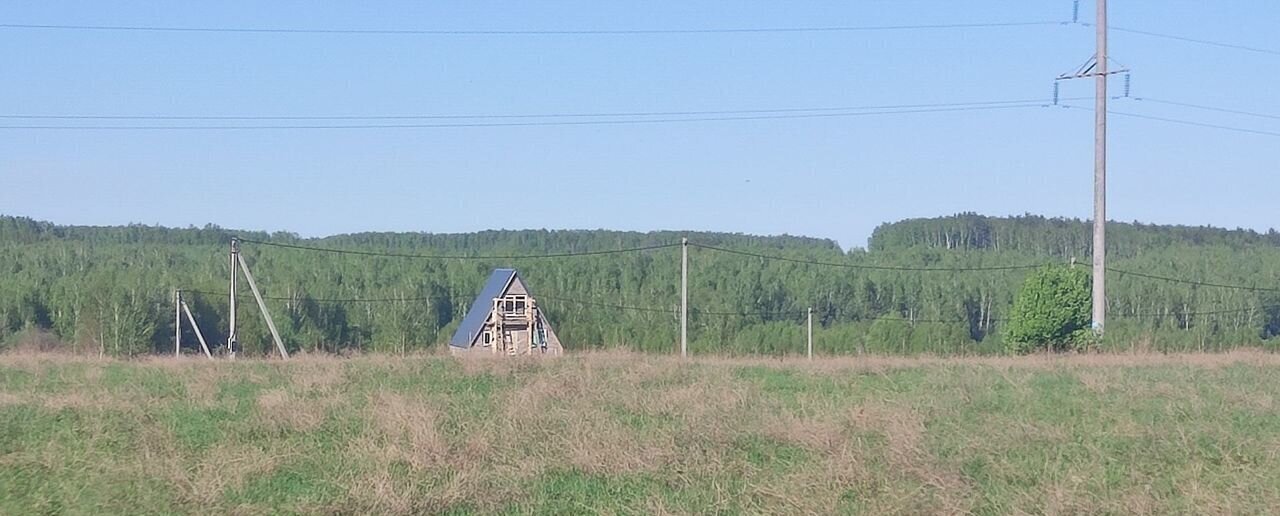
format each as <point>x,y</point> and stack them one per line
<point>110,289</point>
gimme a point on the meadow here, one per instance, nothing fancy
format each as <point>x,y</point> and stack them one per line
<point>626,433</point>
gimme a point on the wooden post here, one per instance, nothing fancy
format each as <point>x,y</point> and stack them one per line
<point>810,334</point>
<point>196,327</point>
<point>262,305</point>
<point>684,298</point>
<point>231,331</point>
<point>177,322</point>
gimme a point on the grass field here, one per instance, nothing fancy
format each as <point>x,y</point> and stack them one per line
<point>623,433</point>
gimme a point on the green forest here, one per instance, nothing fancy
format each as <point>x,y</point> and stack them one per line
<point>937,285</point>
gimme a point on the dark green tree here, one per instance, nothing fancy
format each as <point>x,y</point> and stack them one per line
<point>1051,311</point>
<point>1270,315</point>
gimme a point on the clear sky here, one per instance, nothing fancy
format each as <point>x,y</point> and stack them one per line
<point>834,177</point>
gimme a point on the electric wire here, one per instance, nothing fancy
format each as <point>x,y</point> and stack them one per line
<point>924,320</point>
<point>1220,44</point>
<point>535,115</point>
<point>457,257</point>
<point>669,311</point>
<point>1196,124</point>
<point>1181,121</point>
<point>1207,108</point>
<point>867,267</point>
<point>317,300</point>
<point>540,297</point>
<point>546,123</point>
<point>358,300</point>
<point>1159,315</point>
<point>794,313</point>
<point>1191,282</point>
<point>517,32</point>
<point>699,313</point>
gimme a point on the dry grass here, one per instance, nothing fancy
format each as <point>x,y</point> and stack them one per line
<point>616,432</point>
<point>281,410</point>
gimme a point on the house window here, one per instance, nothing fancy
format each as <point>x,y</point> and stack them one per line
<point>488,337</point>
<point>514,305</point>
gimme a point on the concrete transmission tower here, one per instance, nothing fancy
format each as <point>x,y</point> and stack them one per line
<point>1097,68</point>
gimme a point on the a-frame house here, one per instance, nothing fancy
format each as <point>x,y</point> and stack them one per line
<point>505,319</point>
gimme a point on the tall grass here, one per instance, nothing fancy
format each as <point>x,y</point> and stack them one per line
<point>635,434</point>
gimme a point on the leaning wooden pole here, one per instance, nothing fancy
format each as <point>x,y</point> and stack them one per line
<point>196,327</point>
<point>262,305</point>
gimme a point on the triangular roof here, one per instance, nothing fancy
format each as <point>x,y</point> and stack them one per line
<point>499,281</point>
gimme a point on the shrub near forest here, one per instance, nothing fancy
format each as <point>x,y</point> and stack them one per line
<point>1052,312</point>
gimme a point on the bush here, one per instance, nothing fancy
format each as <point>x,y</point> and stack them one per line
<point>1270,316</point>
<point>1051,312</point>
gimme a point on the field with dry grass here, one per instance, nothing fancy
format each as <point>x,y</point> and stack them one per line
<point>625,433</point>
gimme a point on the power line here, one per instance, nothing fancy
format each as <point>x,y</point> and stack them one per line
<point>540,297</point>
<point>795,313</point>
<point>1192,282</point>
<point>534,115</point>
<point>1196,124</point>
<point>1154,315</point>
<point>1208,108</point>
<point>1183,122</point>
<point>1220,44</point>
<point>868,319</point>
<point>866,267</point>
<point>522,124</point>
<point>669,311</point>
<point>672,311</point>
<point>470,32</point>
<point>320,300</point>
<point>925,320</point>
<point>359,300</point>
<point>455,257</point>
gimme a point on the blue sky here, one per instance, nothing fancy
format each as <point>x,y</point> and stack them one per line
<point>826,177</point>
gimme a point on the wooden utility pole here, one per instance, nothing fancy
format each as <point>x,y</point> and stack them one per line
<point>1100,176</point>
<point>231,331</point>
<point>810,334</point>
<point>684,297</point>
<point>177,322</point>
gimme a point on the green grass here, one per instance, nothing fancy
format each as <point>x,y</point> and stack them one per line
<point>632,434</point>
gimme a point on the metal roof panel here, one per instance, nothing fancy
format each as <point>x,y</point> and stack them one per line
<point>473,322</point>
